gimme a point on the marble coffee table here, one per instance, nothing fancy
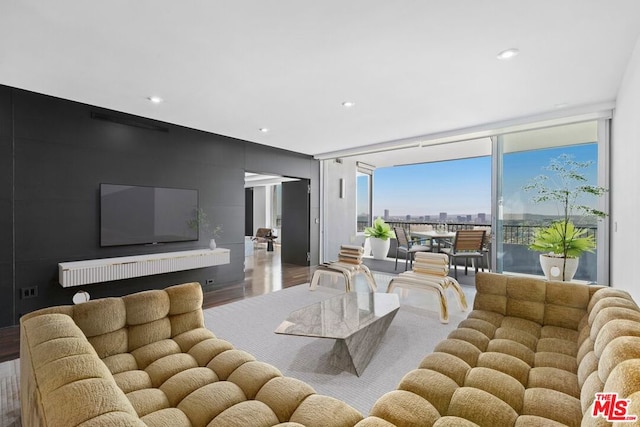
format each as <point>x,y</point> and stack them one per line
<point>356,320</point>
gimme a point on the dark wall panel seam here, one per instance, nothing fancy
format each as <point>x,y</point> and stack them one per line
<point>12,134</point>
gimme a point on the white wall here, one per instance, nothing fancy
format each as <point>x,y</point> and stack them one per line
<point>339,215</point>
<point>625,175</point>
<point>260,208</point>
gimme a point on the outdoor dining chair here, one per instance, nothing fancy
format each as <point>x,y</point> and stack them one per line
<point>486,246</point>
<point>466,244</point>
<point>407,246</point>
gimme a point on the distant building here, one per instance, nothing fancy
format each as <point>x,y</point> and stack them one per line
<point>468,218</point>
<point>408,217</point>
<point>443,216</point>
<point>386,214</point>
<point>482,218</point>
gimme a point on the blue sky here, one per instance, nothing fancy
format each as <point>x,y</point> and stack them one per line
<point>520,167</point>
<point>455,187</point>
<point>464,186</point>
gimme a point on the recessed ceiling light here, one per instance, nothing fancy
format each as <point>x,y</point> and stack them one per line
<point>561,105</point>
<point>263,130</point>
<point>348,104</point>
<point>155,99</point>
<point>508,54</point>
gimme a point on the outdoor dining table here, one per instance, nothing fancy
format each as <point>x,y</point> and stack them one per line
<point>433,235</point>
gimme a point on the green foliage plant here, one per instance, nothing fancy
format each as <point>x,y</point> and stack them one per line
<point>563,238</point>
<point>380,230</point>
<point>201,222</point>
<point>567,185</point>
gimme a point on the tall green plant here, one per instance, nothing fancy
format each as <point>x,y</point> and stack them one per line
<point>565,187</point>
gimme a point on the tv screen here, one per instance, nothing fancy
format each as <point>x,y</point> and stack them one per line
<point>131,215</point>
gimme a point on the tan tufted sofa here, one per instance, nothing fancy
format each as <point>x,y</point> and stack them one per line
<point>531,353</point>
<point>146,359</point>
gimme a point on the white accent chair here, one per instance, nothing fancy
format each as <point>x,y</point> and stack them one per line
<point>349,264</point>
<point>430,273</point>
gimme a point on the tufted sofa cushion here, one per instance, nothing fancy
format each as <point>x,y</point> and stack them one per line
<point>531,353</point>
<point>146,359</point>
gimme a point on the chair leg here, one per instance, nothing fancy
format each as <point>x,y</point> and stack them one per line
<point>333,270</point>
<point>347,287</point>
<point>459,293</point>
<point>403,290</point>
<point>314,281</point>
<point>370,280</point>
<point>396,267</point>
<point>444,310</point>
<point>391,286</point>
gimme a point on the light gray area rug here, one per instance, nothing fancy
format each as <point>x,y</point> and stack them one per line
<point>414,332</point>
<point>9,393</point>
<point>249,326</point>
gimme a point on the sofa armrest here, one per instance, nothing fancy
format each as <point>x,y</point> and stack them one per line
<point>61,375</point>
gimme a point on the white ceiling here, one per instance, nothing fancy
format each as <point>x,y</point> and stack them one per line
<point>413,68</point>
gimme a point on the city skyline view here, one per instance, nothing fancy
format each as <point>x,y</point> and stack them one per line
<point>463,187</point>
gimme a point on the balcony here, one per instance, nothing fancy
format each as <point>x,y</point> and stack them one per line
<point>516,256</point>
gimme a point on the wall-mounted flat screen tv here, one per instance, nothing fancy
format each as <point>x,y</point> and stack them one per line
<point>133,215</point>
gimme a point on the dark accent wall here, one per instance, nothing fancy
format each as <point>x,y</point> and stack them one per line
<point>248,212</point>
<point>6,209</point>
<point>54,155</point>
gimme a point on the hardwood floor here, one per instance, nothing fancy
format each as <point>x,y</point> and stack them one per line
<point>9,343</point>
<point>264,273</point>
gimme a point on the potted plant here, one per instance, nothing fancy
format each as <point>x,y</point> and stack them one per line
<point>379,234</point>
<point>562,243</point>
<point>201,222</point>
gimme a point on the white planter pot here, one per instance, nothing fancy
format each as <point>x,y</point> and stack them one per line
<point>553,267</point>
<point>379,247</point>
<point>367,246</point>
<point>212,244</point>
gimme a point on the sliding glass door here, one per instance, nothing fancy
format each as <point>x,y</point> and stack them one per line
<point>518,159</point>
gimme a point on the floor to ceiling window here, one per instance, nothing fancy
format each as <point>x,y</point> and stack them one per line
<point>521,157</point>
<point>454,192</point>
<point>364,196</point>
<point>469,182</point>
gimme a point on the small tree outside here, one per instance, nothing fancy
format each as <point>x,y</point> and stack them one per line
<point>566,187</point>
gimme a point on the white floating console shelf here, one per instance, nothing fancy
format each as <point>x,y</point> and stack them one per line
<point>107,269</point>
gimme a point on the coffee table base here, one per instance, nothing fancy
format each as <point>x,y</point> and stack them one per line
<point>356,320</point>
<point>355,352</point>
